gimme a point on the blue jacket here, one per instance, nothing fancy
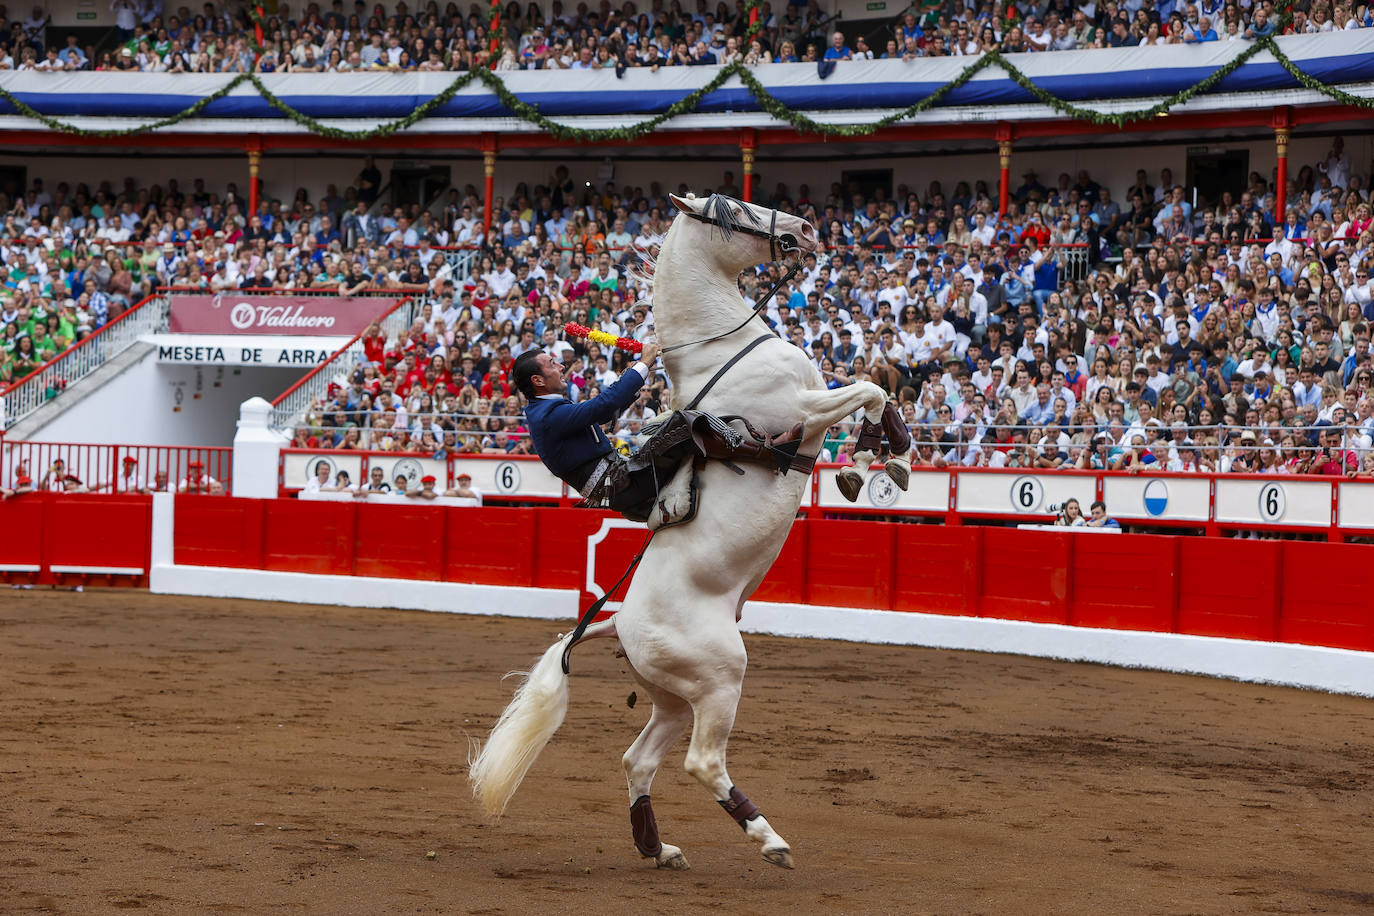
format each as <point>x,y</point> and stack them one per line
<point>568,435</point>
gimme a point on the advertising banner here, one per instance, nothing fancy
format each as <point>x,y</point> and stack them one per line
<point>309,316</point>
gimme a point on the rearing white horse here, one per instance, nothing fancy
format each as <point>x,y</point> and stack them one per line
<point>679,622</point>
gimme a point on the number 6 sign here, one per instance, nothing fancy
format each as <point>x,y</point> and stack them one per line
<point>1272,502</point>
<point>507,477</point>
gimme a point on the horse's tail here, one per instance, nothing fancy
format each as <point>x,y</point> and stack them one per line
<point>534,714</point>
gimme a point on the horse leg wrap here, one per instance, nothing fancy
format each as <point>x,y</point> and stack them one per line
<point>898,436</point>
<point>739,807</point>
<point>645,828</point>
<point>870,439</point>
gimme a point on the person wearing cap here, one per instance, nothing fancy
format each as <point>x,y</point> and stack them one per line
<point>197,481</point>
<point>463,488</point>
<point>55,477</point>
<point>23,483</point>
<point>426,490</point>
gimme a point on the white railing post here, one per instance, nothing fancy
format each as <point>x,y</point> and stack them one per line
<point>257,451</point>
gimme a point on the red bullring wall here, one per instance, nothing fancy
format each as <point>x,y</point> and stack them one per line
<point>553,561</point>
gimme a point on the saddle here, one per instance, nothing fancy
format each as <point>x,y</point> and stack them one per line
<point>660,483</point>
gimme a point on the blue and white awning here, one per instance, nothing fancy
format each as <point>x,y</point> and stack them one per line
<point>1110,77</point>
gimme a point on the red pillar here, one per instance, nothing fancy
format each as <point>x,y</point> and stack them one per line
<point>254,166</point>
<point>488,190</point>
<point>1282,124</point>
<point>1004,138</point>
<point>1003,176</point>
<point>747,144</point>
<point>1281,136</point>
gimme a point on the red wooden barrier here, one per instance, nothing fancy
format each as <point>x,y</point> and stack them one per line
<point>1026,574</point>
<point>1229,587</point>
<point>849,563</point>
<point>1122,582</point>
<point>214,531</point>
<point>490,546</point>
<point>937,569</point>
<point>309,537</point>
<point>402,542</point>
<point>1325,595</point>
<point>786,581</point>
<point>1294,591</point>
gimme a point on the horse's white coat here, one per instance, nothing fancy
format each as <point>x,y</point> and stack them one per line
<point>678,623</point>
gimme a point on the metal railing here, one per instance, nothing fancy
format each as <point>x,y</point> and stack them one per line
<point>82,358</point>
<point>77,467</point>
<point>291,405</point>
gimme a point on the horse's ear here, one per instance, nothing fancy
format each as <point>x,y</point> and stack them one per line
<point>682,204</point>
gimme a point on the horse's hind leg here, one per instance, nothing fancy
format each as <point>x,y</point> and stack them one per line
<point>715,717</point>
<point>670,718</point>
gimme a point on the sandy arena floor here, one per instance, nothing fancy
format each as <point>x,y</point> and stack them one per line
<point>192,756</point>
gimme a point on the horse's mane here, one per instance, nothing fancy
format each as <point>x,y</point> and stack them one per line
<point>717,211</point>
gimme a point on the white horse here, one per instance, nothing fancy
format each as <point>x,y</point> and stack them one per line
<point>678,624</point>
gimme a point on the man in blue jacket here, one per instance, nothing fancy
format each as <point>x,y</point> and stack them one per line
<point>569,439</point>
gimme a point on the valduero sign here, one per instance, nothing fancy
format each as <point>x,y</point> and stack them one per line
<point>234,313</point>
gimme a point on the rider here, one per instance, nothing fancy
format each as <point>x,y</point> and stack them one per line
<point>569,439</point>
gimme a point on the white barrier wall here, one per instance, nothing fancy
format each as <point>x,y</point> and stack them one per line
<point>927,492</point>
<point>1022,494</point>
<point>1174,499</point>
<point>1277,501</point>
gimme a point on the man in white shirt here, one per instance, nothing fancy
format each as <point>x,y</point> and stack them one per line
<point>941,334</point>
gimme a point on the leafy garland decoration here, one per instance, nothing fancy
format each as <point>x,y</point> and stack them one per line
<point>689,103</point>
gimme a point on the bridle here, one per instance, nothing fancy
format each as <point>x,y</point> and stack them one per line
<point>785,244</point>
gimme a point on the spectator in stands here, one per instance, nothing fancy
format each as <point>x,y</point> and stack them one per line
<point>1100,519</point>
<point>197,481</point>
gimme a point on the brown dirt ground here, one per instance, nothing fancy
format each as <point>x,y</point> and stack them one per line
<point>186,755</point>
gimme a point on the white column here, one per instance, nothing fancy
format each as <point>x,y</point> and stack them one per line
<point>257,451</point>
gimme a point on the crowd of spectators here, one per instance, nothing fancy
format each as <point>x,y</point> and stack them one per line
<point>1084,326</point>
<point>338,38</point>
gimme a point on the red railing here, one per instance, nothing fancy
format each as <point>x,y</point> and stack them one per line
<point>118,468</point>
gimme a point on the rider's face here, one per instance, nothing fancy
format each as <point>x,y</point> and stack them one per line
<point>552,373</point>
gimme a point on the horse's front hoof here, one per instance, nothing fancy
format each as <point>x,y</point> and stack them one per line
<point>899,471</point>
<point>781,857</point>
<point>672,859</point>
<point>850,483</point>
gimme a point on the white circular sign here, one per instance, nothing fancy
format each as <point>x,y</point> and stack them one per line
<point>408,468</point>
<point>242,316</point>
<point>1027,493</point>
<point>882,492</point>
<point>1273,502</point>
<point>507,477</point>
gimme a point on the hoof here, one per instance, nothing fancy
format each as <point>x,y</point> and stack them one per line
<point>899,471</point>
<point>672,859</point>
<point>781,857</point>
<point>850,483</point>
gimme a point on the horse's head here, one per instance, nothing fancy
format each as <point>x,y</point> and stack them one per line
<point>749,234</point>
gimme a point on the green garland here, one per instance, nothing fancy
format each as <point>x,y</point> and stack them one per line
<point>689,103</point>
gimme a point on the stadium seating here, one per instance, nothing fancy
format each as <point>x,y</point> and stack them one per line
<point>1134,332</point>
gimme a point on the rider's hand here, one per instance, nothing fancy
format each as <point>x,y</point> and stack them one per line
<point>650,353</point>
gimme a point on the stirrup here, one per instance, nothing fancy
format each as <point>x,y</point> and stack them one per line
<point>784,456</point>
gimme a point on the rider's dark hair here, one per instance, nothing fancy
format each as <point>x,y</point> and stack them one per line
<point>523,372</point>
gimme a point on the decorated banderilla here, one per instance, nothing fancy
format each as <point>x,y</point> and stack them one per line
<point>573,329</point>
